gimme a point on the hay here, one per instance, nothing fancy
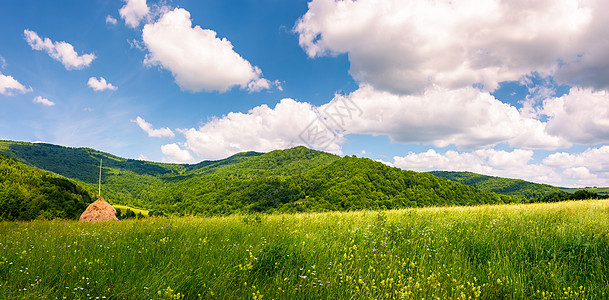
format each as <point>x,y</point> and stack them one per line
<point>99,210</point>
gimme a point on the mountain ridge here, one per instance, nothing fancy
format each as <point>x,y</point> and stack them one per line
<point>290,180</point>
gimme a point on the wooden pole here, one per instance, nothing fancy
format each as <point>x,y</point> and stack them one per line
<point>100,168</point>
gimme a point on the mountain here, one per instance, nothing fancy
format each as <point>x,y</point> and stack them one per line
<point>28,193</point>
<point>505,186</point>
<point>296,179</point>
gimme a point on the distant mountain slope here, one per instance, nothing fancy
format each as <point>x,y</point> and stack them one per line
<point>81,163</point>
<point>28,193</point>
<point>598,190</point>
<point>290,180</point>
<point>505,186</point>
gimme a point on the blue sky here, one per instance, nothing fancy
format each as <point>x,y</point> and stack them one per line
<point>502,88</point>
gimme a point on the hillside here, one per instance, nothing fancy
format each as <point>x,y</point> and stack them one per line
<point>505,186</point>
<point>598,190</point>
<point>28,193</point>
<point>291,180</point>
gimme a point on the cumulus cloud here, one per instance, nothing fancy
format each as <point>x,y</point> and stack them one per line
<point>409,46</point>
<point>582,116</point>
<point>466,117</point>
<point>175,154</point>
<point>60,51</point>
<point>196,57</point>
<point>10,86</point>
<point>133,12</point>
<point>100,84</point>
<point>514,164</point>
<point>262,129</point>
<point>43,101</point>
<point>111,20</point>
<point>147,127</point>
<point>594,159</point>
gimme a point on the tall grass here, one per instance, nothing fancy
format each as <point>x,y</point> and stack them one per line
<point>535,251</point>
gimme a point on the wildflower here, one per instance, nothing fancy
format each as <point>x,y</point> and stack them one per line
<point>375,250</point>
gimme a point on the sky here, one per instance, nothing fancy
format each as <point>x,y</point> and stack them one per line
<point>511,88</point>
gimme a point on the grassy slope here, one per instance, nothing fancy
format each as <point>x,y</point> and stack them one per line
<point>506,186</point>
<point>600,191</point>
<point>534,251</point>
<point>124,209</point>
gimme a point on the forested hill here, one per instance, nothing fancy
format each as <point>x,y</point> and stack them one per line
<point>28,193</point>
<point>296,179</point>
<point>506,186</point>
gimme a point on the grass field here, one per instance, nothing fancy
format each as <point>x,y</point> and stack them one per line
<point>535,251</point>
<point>598,190</point>
<point>124,208</point>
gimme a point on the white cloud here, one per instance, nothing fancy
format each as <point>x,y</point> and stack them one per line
<point>2,62</point>
<point>582,116</point>
<point>588,168</point>
<point>196,57</point>
<point>466,117</point>
<point>147,127</point>
<point>9,86</point>
<point>580,173</point>
<point>43,101</point>
<point>409,46</point>
<point>111,20</point>
<point>60,51</point>
<point>175,154</point>
<point>263,84</point>
<point>493,162</point>
<point>100,84</point>
<point>262,129</point>
<point>594,159</point>
<point>590,68</point>
<point>133,12</point>
<point>142,157</point>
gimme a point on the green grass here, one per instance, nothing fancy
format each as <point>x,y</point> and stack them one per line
<point>598,190</point>
<point>124,208</point>
<point>534,251</point>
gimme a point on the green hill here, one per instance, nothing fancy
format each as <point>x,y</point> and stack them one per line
<point>28,193</point>
<point>505,186</point>
<point>598,190</point>
<point>297,179</point>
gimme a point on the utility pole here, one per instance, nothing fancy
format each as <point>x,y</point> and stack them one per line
<point>100,168</point>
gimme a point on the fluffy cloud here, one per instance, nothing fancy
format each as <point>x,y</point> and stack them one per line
<point>582,116</point>
<point>588,168</point>
<point>593,159</point>
<point>9,86</point>
<point>493,162</point>
<point>466,117</point>
<point>111,20</point>
<point>263,129</point>
<point>196,57</point>
<point>175,154</point>
<point>100,84</point>
<point>409,46</point>
<point>43,101</point>
<point>133,12</point>
<point>60,51</point>
<point>147,127</point>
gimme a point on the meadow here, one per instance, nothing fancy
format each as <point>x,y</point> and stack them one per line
<point>528,251</point>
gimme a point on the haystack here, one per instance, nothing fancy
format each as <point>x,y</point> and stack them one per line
<point>99,210</point>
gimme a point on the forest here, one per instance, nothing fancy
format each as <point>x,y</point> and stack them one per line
<point>506,186</point>
<point>28,193</point>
